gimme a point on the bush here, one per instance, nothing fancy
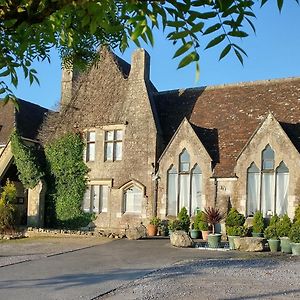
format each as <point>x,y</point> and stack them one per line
<point>271,232</point>
<point>274,220</point>
<point>297,214</point>
<point>175,225</point>
<point>295,233</point>
<point>200,223</point>
<point>234,218</point>
<point>284,226</point>
<point>7,209</point>
<point>184,219</point>
<point>236,231</point>
<point>258,222</point>
<point>155,221</point>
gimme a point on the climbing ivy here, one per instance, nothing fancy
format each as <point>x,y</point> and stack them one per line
<point>66,182</point>
<point>26,161</point>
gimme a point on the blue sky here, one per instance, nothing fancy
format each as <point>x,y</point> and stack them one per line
<point>274,52</point>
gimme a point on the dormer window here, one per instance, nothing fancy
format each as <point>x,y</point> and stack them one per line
<point>113,145</point>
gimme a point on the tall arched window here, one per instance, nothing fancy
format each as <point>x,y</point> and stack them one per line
<point>184,187</point>
<point>282,183</point>
<point>267,190</point>
<point>133,198</point>
<point>253,175</point>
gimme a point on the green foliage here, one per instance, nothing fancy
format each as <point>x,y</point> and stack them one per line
<point>258,222</point>
<point>29,29</point>
<point>234,218</point>
<point>213,216</point>
<point>236,231</point>
<point>155,221</point>
<point>175,225</point>
<point>294,234</point>
<point>271,232</point>
<point>27,164</point>
<point>297,214</point>
<point>68,173</point>
<point>284,226</point>
<point>184,219</point>
<point>200,223</point>
<point>274,220</point>
<point>7,209</point>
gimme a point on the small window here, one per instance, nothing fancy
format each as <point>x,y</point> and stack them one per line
<point>184,161</point>
<point>113,145</point>
<point>91,146</point>
<point>96,199</point>
<point>268,158</point>
<point>133,198</point>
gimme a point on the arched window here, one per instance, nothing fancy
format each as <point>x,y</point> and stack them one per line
<point>184,187</point>
<point>133,198</point>
<point>253,185</point>
<point>267,190</point>
<point>172,192</point>
<point>282,183</point>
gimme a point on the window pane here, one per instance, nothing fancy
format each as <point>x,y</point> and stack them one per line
<point>104,197</point>
<point>268,158</point>
<point>91,152</point>
<point>86,205</point>
<point>172,192</point>
<point>91,136</point>
<point>118,150</point>
<point>267,197</point>
<point>184,159</point>
<point>108,151</point>
<point>184,196</point>
<point>96,198</point>
<point>119,135</point>
<point>252,193</point>
<point>109,135</point>
<point>133,200</point>
<point>184,167</point>
<point>282,184</point>
<point>196,189</point>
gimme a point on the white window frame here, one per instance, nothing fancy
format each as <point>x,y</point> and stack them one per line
<point>113,142</point>
<point>89,144</point>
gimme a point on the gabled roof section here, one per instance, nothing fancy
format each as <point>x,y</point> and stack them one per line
<point>27,120</point>
<point>232,113</point>
<point>192,134</point>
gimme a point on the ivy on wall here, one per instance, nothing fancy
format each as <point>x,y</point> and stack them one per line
<point>26,162</point>
<point>66,182</point>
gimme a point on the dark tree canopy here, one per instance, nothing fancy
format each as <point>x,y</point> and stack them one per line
<point>30,28</point>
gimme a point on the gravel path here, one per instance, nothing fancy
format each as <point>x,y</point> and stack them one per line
<point>263,278</point>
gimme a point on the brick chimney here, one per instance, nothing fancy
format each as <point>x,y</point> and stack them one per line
<point>140,65</point>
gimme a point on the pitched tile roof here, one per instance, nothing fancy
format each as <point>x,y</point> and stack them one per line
<point>225,117</point>
<point>27,120</point>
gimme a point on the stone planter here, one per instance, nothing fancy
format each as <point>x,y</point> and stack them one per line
<point>295,248</point>
<point>151,230</point>
<point>205,234</point>
<point>274,245</point>
<point>214,240</point>
<point>194,233</point>
<point>231,239</point>
<point>285,245</point>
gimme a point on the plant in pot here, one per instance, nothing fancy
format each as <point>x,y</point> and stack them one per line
<point>184,219</point>
<point>174,225</point>
<point>283,230</point>
<point>234,226</point>
<point>271,234</point>
<point>201,225</point>
<point>213,216</point>
<point>153,226</point>
<point>258,224</point>
<point>194,231</point>
<point>163,228</point>
<point>295,238</point>
<point>297,214</point>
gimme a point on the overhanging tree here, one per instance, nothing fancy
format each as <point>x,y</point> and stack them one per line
<point>30,28</point>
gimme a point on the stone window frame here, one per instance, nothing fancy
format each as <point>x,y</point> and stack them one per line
<point>104,182</point>
<point>89,142</point>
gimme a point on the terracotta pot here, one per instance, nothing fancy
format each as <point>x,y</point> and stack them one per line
<point>205,235</point>
<point>151,230</point>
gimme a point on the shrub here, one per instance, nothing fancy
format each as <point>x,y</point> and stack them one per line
<point>7,208</point>
<point>200,223</point>
<point>258,222</point>
<point>155,221</point>
<point>297,214</point>
<point>184,219</point>
<point>213,216</point>
<point>175,225</point>
<point>234,218</point>
<point>274,220</point>
<point>236,231</point>
<point>284,226</point>
<point>294,234</point>
<point>271,232</point>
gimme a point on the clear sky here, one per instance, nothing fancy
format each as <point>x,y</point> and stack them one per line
<point>274,52</point>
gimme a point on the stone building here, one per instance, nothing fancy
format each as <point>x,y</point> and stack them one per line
<point>151,153</point>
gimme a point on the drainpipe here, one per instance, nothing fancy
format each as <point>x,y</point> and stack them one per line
<point>155,178</point>
<point>216,191</point>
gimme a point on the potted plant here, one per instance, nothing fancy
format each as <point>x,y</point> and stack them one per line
<point>153,226</point>
<point>163,228</point>
<point>213,216</point>
<point>271,234</point>
<point>174,225</point>
<point>184,219</point>
<point>194,231</point>
<point>234,226</point>
<point>258,224</point>
<point>200,225</point>
<point>295,238</point>
<point>283,229</point>
<point>297,214</point>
